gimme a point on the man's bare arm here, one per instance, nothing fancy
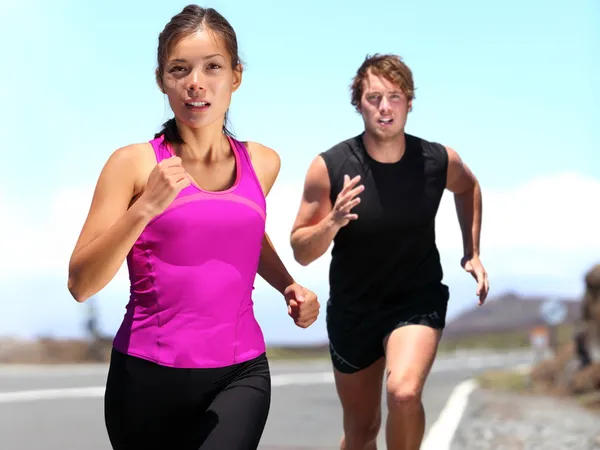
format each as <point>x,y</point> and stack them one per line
<point>314,229</point>
<point>318,221</point>
<point>467,198</point>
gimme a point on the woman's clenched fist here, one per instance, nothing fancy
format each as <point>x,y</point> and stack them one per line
<point>165,181</point>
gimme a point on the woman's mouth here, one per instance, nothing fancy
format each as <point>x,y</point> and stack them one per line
<point>197,106</point>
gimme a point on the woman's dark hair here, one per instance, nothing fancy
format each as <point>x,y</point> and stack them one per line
<point>190,20</point>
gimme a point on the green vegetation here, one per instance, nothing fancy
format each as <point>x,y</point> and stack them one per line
<point>505,380</point>
<point>297,353</point>
<point>500,341</point>
<point>590,400</point>
<point>493,341</point>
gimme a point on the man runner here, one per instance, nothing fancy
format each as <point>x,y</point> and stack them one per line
<point>376,196</point>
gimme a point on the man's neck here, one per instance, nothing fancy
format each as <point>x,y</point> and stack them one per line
<point>385,150</point>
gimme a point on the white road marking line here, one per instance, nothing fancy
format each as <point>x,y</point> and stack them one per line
<point>442,431</point>
<point>288,379</point>
<point>51,394</point>
<point>98,391</point>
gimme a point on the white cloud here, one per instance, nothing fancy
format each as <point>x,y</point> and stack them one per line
<point>550,213</point>
<point>38,238</point>
<point>547,226</point>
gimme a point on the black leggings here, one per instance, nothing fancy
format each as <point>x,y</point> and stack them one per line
<point>148,406</point>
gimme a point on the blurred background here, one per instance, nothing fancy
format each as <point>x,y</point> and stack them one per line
<point>512,86</point>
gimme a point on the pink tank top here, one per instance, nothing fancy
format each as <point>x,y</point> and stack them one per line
<point>192,273</point>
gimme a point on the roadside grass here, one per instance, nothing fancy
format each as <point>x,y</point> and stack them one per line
<point>504,380</point>
<point>509,340</point>
<point>589,400</point>
<point>297,353</point>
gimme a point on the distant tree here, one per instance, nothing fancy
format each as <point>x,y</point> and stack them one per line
<point>588,337</point>
<point>93,331</point>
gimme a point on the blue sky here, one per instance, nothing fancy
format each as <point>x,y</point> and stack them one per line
<point>512,87</point>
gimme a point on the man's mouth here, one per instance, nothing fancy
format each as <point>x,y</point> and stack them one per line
<point>386,121</point>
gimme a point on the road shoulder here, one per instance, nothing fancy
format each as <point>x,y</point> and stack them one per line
<point>503,419</point>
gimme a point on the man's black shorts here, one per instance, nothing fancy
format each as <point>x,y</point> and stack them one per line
<point>356,338</point>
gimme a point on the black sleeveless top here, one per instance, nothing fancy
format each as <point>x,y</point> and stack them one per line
<point>390,250</point>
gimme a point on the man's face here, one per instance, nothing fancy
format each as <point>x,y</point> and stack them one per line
<point>384,107</point>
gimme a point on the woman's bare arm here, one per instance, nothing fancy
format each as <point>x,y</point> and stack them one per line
<point>111,227</point>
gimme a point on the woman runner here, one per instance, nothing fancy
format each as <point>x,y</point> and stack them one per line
<point>187,210</point>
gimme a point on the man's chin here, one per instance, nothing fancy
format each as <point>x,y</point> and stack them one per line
<point>383,134</point>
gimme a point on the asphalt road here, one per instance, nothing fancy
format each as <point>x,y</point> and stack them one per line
<point>39,408</point>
